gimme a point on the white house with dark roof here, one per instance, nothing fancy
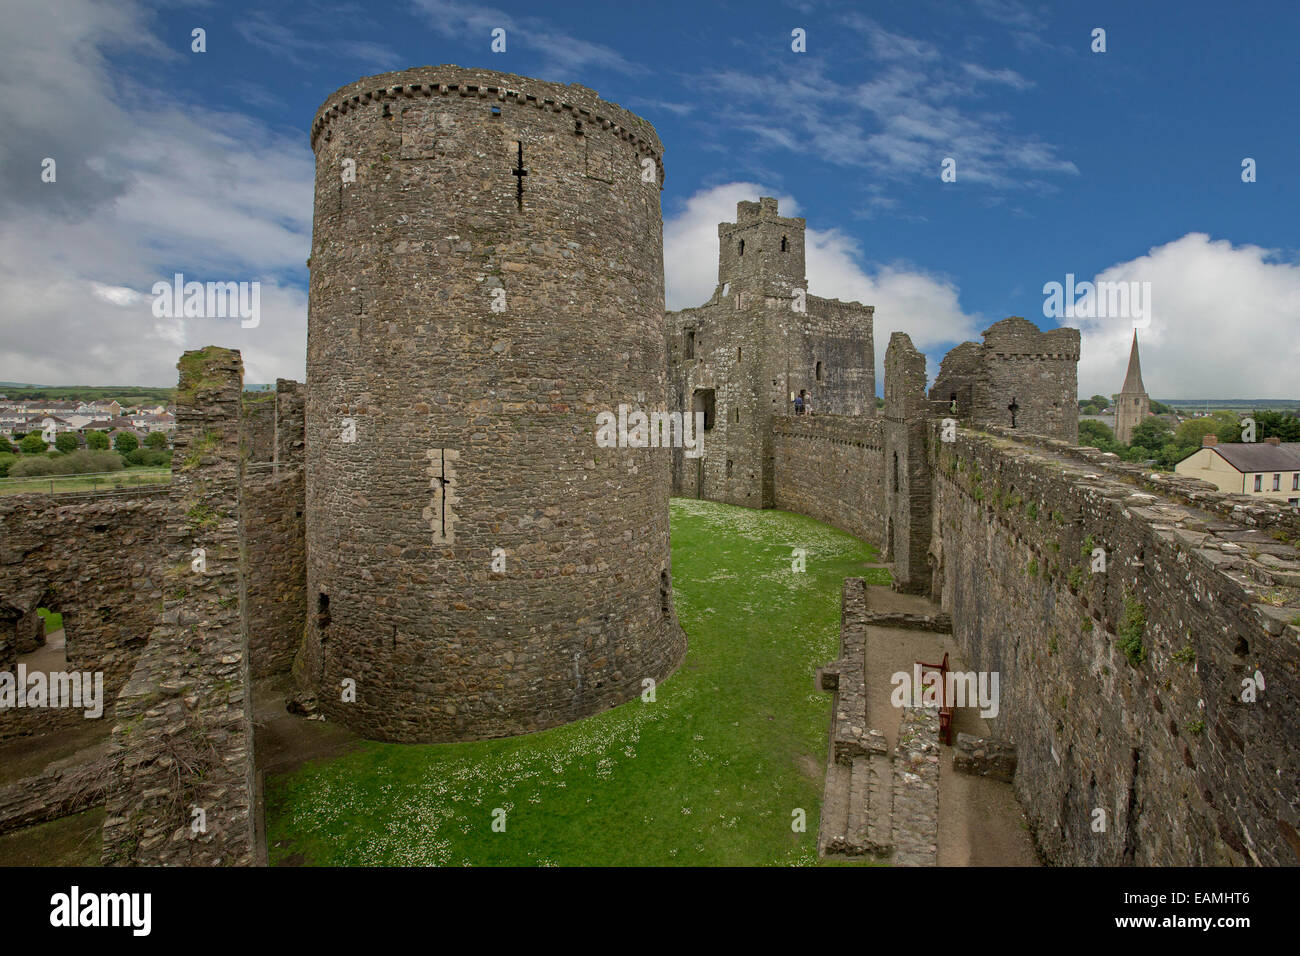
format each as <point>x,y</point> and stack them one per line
<point>1269,468</point>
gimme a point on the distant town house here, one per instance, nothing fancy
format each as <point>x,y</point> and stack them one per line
<point>139,435</point>
<point>160,422</point>
<point>47,424</point>
<point>1268,469</point>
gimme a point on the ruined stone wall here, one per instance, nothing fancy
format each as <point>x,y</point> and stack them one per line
<point>440,429</point>
<point>1122,690</point>
<point>830,467</point>
<point>906,466</point>
<point>181,753</point>
<point>1037,370</point>
<point>290,438</point>
<point>955,382</point>
<point>273,547</point>
<point>94,559</point>
<point>726,349</point>
<point>258,425</point>
<point>829,352</point>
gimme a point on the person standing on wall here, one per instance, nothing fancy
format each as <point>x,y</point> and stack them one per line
<point>798,402</point>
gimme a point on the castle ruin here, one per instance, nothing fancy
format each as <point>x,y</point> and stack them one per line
<point>1019,377</point>
<point>760,340</point>
<point>348,528</point>
<point>489,280</point>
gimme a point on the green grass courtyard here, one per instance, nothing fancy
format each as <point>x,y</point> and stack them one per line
<point>713,772</point>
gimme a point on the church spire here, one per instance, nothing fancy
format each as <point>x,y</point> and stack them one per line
<point>1133,404</point>
<point>1133,380</point>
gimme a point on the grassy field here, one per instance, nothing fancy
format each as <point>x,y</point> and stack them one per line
<point>68,841</point>
<point>53,620</point>
<point>126,395</point>
<point>126,478</point>
<point>711,773</point>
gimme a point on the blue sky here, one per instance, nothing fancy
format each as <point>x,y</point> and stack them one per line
<point>1123,165</point>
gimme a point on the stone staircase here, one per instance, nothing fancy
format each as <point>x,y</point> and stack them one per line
<point>876,803</point>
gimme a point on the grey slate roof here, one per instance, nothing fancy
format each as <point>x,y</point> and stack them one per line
<point>1260,456</point>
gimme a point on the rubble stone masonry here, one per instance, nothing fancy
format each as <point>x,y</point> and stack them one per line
<point>486,278</point>
<point>272,537</point>
<point>831,467</point>
<point>181,755</point>
<point>1122,689</point>
<point>94,559</point>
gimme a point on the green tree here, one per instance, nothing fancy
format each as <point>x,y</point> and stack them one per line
<point>1272,424</point>
<point>32,444</point>
<point>1152,434</point>
<point>7,458</point>
<point>1193,431</point>
<point>1172,453</point>
<point>31,466</point>
<point>78,463</point>
<point>126,442</point>
<point>97,441</point>
<point>1100,401</point>
<point>7,447</point>
<point>1097,435</point>
<point>156,440</point>
<point>1227,425</point>
<point>66,442</point>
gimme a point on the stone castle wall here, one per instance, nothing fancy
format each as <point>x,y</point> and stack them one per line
<point>94,559</point>
<point>727,362</point>
<point>257,422</point>
<point>272,529</point>
<point>832,353</point>
<point>440,429</point>
<point>1157,736</point>
<point>906,466</point>
<point>1017,362</point>
<point>831,467</point>
<point>272,540</point>
<point>181,756</point>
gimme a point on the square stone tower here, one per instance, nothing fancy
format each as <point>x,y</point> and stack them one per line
<point>762,250</point>
<point>760,340</point>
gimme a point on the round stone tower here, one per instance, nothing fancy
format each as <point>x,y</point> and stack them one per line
<point>486,278</point>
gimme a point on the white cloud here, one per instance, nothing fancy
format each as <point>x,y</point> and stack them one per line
<point>293,43</point>
<point>691,241</point>
<point>907,299</point>
<point>914,107</point>
<point>118,295</point>
<point>146,187</point>
<point>1224,324</point>
<point>561,56</point>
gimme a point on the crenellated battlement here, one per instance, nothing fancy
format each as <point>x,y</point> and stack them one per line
<point>1019,374</point>
<point>447,80</point>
